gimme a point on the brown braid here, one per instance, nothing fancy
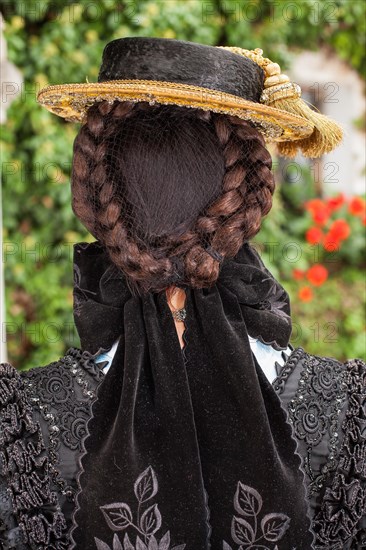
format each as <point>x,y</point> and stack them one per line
<point>233,217</point>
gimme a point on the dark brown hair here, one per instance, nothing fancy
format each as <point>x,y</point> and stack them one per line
<point>158,184</point>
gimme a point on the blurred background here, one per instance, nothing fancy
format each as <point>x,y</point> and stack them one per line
<point>313,240</point>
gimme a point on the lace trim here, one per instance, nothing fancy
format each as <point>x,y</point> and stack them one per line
<point>26,467</point>
<point>314,412</point>
<point>284,371</point>
<point>279,384</point>
<point>52,390</point>
<point>273,343</point>
<point>344,503</point>
<point>323,382</point>
<point>86,359</point>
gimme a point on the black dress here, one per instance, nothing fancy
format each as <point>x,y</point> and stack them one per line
<point>182,450</point>
<point>44,414</point>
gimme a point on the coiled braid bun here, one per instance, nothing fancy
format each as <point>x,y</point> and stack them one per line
<point>157,184</point>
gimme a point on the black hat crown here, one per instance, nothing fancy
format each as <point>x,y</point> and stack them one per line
<point>168,60</point>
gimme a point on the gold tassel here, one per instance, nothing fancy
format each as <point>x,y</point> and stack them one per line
<point>326,136</point>
<point>282,94</point>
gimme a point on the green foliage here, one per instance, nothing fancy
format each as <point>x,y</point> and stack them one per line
<point>333,322</point>
<point>58,42</point>
<point>301,24</point>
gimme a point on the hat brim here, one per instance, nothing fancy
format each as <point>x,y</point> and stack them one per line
<point>71,101</point>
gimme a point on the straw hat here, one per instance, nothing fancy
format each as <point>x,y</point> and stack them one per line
<point>226,80</point>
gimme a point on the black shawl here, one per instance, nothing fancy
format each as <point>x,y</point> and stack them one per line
<point>191,454</point>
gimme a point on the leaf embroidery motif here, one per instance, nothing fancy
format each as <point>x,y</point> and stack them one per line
<point>274,526</point>
<point>242,531</point>
<point>116,543</point>
<point>146,485</point>
<point>248,503</point>
<point>119,517</point>
<point>151,520</point>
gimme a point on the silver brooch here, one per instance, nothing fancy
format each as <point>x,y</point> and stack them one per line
<point>179,314</point>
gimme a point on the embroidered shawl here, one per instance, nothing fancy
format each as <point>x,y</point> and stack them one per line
<point>201,447</point>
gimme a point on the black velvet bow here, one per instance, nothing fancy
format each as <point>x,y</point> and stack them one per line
<point>193,452</point>
<point>100,294</point>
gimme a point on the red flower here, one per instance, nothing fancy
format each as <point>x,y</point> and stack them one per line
<point>305,294</point>
<point>298,274</point>
<point>319,210</point>
<point>321,216</point>
<point>340,230</point>
<point>357,206</point>
<point>331,243</point>
<point>336,202</point>
<point>313,204</point>
<point>317,274</point>
<point>314,235</point>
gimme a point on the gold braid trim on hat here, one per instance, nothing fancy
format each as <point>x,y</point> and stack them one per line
<point>282,94</point>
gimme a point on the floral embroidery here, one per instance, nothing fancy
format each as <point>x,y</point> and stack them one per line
<point>339,390</point>
<point>324,381</point>
<point>55,385</point>
<point>73,426</point>
<point>33,491</point>
<point>247,532</point>
<point>338,520</point>
<point>309,423</point>
<point>119,517</point>
<point>314,412</point>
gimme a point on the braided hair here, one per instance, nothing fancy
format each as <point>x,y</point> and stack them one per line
<point>162,186</point>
